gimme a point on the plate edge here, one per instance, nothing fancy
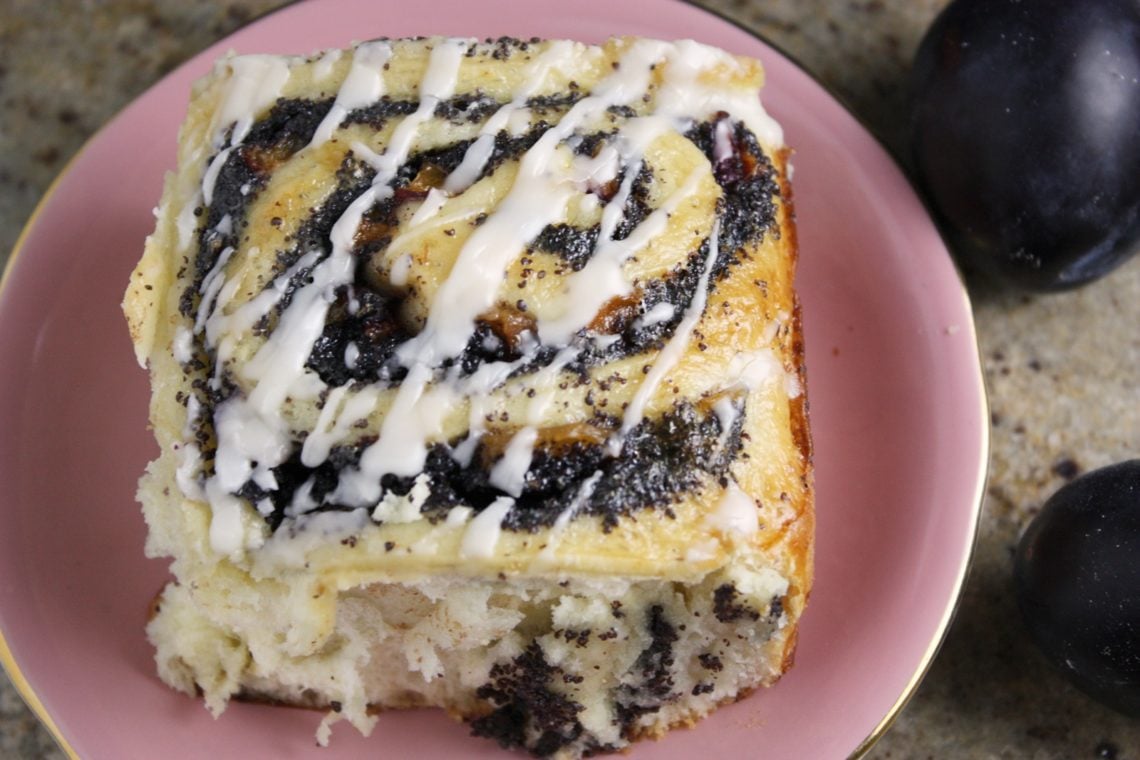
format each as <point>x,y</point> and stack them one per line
<point>31,699</point>
<point>7,658</point>
<point>983,467</point>
<point>962,573</point>
<point>28,694</point>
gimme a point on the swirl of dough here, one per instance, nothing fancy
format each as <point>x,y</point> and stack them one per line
<point>492,284</point>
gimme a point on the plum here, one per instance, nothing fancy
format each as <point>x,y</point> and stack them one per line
<point>1077,579</point>
<point>1026,136</point>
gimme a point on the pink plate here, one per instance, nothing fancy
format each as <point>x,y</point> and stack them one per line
<point>897,405</point>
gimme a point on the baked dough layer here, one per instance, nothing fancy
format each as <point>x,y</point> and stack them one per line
<point>478,379</point>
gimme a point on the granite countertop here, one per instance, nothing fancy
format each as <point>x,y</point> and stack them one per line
<point>1061,369</point>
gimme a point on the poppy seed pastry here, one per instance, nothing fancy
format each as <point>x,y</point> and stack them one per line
<point>478,382</point>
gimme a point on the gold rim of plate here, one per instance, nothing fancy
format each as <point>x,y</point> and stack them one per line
<point>7,659</point>
<point>35,704</point>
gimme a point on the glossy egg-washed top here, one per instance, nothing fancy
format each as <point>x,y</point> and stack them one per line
<point>494,286</point>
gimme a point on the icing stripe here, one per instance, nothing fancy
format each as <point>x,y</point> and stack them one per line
<point>671,354</point>
<point>364,84</point>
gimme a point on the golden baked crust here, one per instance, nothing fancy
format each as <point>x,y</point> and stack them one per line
<point>479,335</point>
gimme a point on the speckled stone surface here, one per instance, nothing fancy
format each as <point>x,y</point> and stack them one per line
<point>1062,370</point>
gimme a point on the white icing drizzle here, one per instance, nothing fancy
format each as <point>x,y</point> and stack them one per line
<point>210,178</point>
<point>751,369</point>
<point>458,516</point>
<point>220,325</point>
<point>303,501</point>
<point>438,84</point>
<point>792,385</point>
<point>722,141</point>
<point>183,345</point>
<point>324,66</point>
<point>225,225</point>
<point>661,312</point>
<point>726,413</point>
<point>248,444</point>
<point>211,286</point>
<point>538,198</point>
<point>466,448</point>
<point>351,355</point>
<point>735,513</point>
<point>400,449</point>
<point>428,212</point>
<point>604,341</point>
<point>519,122</point>
<point>255,83</point>
<point>227,532</point>
<point>477,388</point>
<point>403,509</point>
<point>555,57</point>
<point>290,548</point>
<point>187,473</point>
<point>278,367</point>
<point>588,204</point>
<point>363,85</point>
<point>333,423</point>
<point>482,534</point>
<point>602,279</point>
<point>602,168</point>
<point>429,208</point>
<point>251,434</point>
<point>585,491</point>
<point>509,473</point>
<point>682,93</point>
<point>669,356</point>
<point>471,287</point>
<point>187,222</point>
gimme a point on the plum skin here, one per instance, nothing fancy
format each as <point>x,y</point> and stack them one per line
<point>1077,581</point>
<point>1026,136</point>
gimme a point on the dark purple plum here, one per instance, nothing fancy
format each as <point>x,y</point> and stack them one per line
<point>1077,578</point>
<point>1026,136</point>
